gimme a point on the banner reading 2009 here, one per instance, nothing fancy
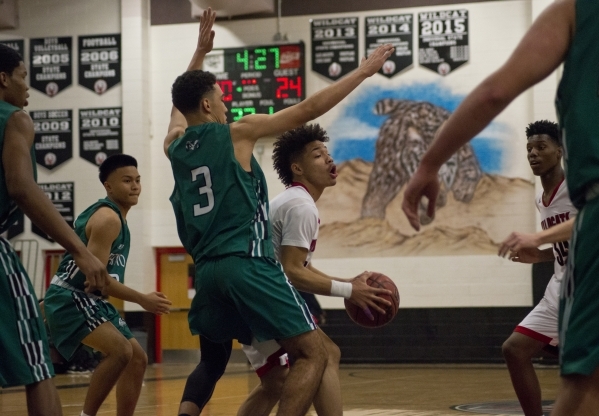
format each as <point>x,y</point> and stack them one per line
<point>100,133</point>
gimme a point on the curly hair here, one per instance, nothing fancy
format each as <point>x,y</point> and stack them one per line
<point>189,88</point>
<point>114,162</point>
<point>9,59</point>
<point>289,147</point>
<point>549,128</point>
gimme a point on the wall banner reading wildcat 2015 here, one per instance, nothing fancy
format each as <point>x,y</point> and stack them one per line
<point>334,46</point>
<point>53,142</point>
<point>397,30</point>
<point>99,62</point>
<point>51,66</point>
<point>62,195</point>
<point>443,40</point>
<point>100,133</point>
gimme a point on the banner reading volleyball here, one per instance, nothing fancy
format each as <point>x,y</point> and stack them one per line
<point>51,68</point>
<point>99,62</point>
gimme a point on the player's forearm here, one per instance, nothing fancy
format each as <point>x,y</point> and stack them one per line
<point>38,207</point>
<point>120,291</point>
<point>306,280</point>
<point>557,233</point>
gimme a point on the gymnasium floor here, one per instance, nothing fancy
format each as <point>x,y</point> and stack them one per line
<point>381,390</point>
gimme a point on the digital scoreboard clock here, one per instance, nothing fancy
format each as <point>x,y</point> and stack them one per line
<point>259,79</point>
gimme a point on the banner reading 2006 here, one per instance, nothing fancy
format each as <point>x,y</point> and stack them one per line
<point>100,133</point>
<point>99,62</point>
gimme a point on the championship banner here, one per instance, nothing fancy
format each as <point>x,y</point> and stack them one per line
<point>50,66</point>
<point>53,142</point>
<point>334,46</point>
<point>100,133</point>
<point>17,44</point>
<point>62,195</point>
<point>99,62</point>
<point>443,40</point>
<point>394,29</point>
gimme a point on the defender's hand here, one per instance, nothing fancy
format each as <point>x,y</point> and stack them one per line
<point>526,255</point>
<point>423,183</point>
<point>516,242</point>
<point>156,302</point>
<point>206,35</point>
<point>96,276</point>
<point>376,59</point>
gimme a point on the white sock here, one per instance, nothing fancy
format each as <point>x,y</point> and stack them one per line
<point>84,414</point>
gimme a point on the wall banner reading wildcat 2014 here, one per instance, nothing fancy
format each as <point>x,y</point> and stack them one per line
<point>100,133</point>
<point>62,195</point>
<point>334,46</point>
<point>397,30</point>
<point>53,142</point>
<point>99,62</point>
<point>51,68</point>
<point>443,40</point>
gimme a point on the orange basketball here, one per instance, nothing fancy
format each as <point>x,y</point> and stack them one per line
<point>357,315</point>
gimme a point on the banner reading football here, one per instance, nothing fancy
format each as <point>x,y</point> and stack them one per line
<point>50,64</point>
<point>100,133</point>
<point>53,142</point>
<point>443,40</point>
<point>394,29</point>
<point>99,62</point>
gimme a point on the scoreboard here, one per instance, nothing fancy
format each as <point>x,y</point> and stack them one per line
<point>259,79</point>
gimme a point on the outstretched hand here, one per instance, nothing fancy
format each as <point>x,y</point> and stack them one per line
<point>156,302</point>
<point>366,296</point>
<point>376,59</point>
<point>206,35</point>
<point>515,242</point>
<point>423,183</point>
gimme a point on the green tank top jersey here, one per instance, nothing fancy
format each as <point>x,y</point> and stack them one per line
<point>577,103</point>
<point>68,274</point>
<point>220,208</point>
<point>9,212</point>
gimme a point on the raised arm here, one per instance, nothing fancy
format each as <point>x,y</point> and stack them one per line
<point>178,124</point>
<point>22,188</point>
<point>254,126</point>
<point>539,53</point>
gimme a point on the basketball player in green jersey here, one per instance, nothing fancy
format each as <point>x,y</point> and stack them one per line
<point>221,204</point>
<point>23,341</point>
<point>567,31</point>
<point>75,317</point>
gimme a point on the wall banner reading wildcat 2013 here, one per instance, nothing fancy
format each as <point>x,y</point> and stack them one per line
<point>99,62</point>
<point>51,68</point>
<point>100,133</point>
<point>443,40</point>
<point>397,30</point>
<point>62,195</point>
<point>334,46</point>
<point>53,142</point>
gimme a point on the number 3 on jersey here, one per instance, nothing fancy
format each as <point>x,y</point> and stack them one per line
<point>206,189</point>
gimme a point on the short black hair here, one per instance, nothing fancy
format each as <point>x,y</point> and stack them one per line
<point>290,145</point>
<point>9,59</point>
<point>549,128</point>
<point>114,162</point>
<point>189,88</point>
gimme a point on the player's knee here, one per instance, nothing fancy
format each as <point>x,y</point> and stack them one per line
<point>511,350</point>
<point>139,359</point>
<point>273,381</point>
<point>122,352</point>
<point>333,354</point>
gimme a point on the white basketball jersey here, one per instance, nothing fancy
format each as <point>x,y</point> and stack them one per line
<point>558,210</point>
<point>294,219</point>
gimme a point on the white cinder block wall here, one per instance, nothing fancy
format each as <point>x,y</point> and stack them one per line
<point>154,55</point>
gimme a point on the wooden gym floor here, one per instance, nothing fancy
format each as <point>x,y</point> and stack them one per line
<point>383,390</point>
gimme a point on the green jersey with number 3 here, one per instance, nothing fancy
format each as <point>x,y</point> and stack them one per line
<point>221,209</point>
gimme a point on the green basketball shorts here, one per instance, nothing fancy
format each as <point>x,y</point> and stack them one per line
<point>24,352</point>
<point>240,296</point>
<point>579,299</point>
<point>72,315</point>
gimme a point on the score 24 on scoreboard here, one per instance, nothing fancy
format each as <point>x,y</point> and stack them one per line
<point>259,79</point>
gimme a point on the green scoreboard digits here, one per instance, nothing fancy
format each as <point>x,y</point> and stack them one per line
<point>259,79</point>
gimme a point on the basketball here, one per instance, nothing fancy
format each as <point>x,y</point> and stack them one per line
<point>357,315</point>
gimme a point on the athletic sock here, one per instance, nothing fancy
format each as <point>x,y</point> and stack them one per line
<point>84,414</point>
